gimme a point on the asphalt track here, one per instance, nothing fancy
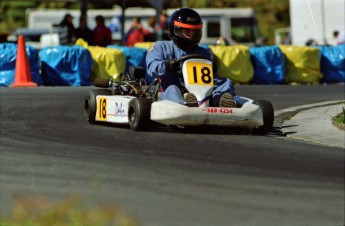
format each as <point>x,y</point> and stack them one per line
<point>167,177</point>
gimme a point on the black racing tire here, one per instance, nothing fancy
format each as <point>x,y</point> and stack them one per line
<point>139,114</point>
<point>90,105</point>
<point>268,117</point>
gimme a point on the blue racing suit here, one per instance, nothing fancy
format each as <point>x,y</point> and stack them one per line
<point>171,81</point>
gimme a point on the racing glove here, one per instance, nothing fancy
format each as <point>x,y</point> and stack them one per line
<point>171,65</point>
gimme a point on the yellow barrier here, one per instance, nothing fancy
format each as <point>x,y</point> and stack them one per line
<point>302,64</point>
<point>144,45</point>
<point>233,62</point>
<point>107,62</point>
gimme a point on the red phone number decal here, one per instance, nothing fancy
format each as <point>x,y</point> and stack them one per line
<point>218,110</point>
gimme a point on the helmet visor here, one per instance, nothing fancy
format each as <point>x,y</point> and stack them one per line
<point>188,32</point>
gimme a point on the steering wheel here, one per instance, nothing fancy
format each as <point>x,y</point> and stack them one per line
<point>191,56</point>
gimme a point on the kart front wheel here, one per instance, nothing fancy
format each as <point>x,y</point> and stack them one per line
<point>90,105</point>
<point>268,117</point>
<point>139,113</point>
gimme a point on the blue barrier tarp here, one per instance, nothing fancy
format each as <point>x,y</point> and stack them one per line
<point>269,65</point>
<point>333,63</point>
<point>66,66</point>
<point>134,57</point>
<point>8,57</point>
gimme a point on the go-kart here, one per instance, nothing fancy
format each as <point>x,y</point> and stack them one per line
<point>131,101</point>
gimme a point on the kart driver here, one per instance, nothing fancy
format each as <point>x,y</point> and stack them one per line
<point>185,31</point>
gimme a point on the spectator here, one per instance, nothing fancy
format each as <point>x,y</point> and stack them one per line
<point>222,41</point>
<point>311,42</point>
<point>67,22</point>
<point>162,28</point>
<point>83,31</point>
<point>136,33</point>
<point>261,41</point>
<point>101,34</point>
<point>152,36</point>
<point>340,37</point>
<point>115,25</point>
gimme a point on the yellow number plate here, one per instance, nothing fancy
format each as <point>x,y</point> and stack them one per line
<point>101,109</point>
<point>199,73</point>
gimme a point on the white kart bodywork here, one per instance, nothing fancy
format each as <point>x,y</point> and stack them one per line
<point>113,109</point>
<point>170,113</point>
<point>198,77</point>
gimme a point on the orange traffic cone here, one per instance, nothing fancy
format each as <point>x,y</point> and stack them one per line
<point>23,75</point>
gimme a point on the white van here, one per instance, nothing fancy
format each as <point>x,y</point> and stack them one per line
<point>46,18</point>
<point>237,25</point>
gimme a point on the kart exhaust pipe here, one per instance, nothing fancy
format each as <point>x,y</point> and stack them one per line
<point>102,82</point>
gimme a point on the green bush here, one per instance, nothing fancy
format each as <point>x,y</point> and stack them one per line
<point>40,211</point>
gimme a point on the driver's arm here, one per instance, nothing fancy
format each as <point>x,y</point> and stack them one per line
<point>155,60</point>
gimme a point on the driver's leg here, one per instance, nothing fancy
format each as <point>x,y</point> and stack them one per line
<point>223,93</point>
<point>172,93</point>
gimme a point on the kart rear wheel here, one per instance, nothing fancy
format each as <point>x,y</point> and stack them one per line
<point>90,105</point>
<point>139,111</point>
<point>268,117</point>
